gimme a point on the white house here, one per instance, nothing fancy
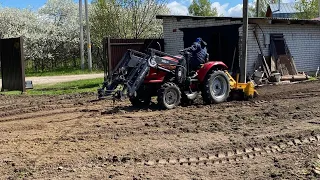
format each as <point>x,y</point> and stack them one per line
<point>224,34</point>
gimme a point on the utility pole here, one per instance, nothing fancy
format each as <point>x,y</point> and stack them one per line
<point>88,36</point>
<point>81,35</point>
<point>257,8</point>
<point>243,62</point>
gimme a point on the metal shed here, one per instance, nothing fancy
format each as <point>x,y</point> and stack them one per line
<point>282,10</point>
<point>12,64</point>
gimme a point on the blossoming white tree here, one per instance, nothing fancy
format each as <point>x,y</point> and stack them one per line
<point>51,34</point>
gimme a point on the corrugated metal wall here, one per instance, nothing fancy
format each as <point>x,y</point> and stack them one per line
<point>114,49</point>
<point>12,64</point>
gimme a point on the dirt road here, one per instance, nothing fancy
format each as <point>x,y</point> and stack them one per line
<point>58,79</point>
<point>276,136</point>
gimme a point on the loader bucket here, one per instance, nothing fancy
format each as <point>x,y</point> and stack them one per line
<point>128,74</point>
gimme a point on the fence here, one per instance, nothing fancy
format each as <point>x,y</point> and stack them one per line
<point>12,64</point>
<point>114,49</point>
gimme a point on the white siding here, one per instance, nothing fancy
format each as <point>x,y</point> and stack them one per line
<point>303,40</point>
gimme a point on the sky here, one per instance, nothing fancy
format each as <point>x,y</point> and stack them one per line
<point>230,8</point>
<point>33,4</point>
<point>177,7</point>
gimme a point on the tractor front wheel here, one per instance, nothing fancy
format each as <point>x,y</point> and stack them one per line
<point>140,101</point>
<point>216,87</point>
<point>169,96</point>
<point>142,98</point>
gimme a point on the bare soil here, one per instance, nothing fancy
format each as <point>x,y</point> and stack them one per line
<point>75,137</point>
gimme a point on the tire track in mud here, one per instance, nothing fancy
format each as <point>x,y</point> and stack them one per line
<point>221,157</point>
<point>37,139</point>
<point>61,137</point>
<point>83,107</point>
<point>232,156</point>
<point>15,108</point>
<point>301,96</point>
<point>288,94</point>
<point>36,108</point>
<point>7,100</point>
<point>32,115</point>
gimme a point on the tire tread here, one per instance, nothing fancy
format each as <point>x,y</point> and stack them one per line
<point>206,95</point>
<point>161,93</point>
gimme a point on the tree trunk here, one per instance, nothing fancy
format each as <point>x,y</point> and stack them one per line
<point>42,65</point>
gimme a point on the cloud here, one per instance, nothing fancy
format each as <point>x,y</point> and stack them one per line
<point>187,2</point>
<point>287,1</point>
<point>177,8</point>
<point>236,11</point>
<point>180,7</point>
<point>223,9</point>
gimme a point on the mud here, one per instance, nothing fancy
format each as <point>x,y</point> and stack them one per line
<point>274,136</point>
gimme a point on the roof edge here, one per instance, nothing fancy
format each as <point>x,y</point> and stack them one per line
<point>271,20</point>
<point>197,17</point>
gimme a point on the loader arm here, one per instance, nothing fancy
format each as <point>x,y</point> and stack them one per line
<point>132,70</point>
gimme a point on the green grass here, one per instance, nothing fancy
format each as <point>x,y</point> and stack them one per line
<point>312,78</point>
<point>80,86</point>
<point>60,72</point>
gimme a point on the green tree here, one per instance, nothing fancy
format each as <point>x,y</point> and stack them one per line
<point>309,9</point>
<point>202,8</point>
<point>126,19</point>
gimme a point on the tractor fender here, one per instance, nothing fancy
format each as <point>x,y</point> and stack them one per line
<point>207,67</point>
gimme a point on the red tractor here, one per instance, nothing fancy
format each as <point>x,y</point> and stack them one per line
<point>141,76</point>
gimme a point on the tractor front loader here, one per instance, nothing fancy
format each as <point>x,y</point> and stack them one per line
<point>141,76</point>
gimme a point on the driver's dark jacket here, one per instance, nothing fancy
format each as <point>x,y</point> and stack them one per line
<point>198,55</point>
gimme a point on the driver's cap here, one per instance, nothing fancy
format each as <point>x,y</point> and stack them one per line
<point>198,39</point>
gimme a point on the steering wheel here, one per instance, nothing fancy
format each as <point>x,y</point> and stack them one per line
<point>184,50</point>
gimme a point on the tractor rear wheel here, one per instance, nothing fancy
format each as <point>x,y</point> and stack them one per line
<point>169,96</point>
<point>216,87</point>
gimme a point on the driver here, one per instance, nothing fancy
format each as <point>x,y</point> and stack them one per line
<point>199,53</point>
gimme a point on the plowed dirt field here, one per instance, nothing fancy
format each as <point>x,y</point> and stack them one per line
<point>275,136</point>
